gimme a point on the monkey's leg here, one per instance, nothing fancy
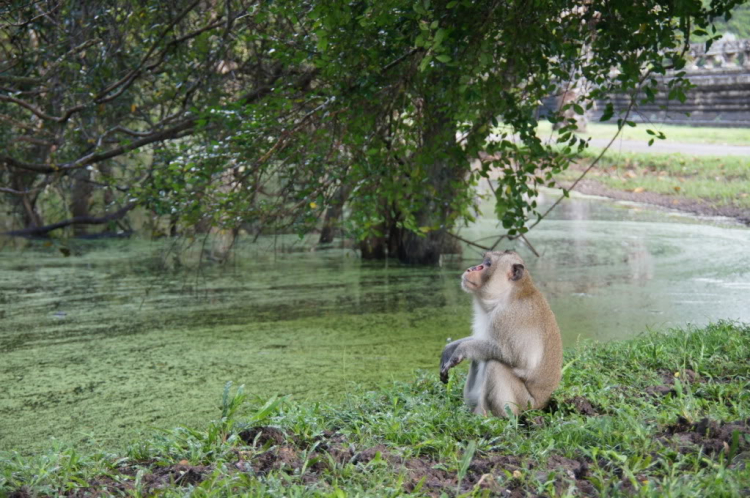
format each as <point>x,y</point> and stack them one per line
<point>504,390</point>
<point>474,384</point>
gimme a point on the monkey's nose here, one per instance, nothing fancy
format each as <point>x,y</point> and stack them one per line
<point>476,268</point>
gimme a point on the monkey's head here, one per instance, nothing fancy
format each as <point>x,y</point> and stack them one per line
<point>498,273</point>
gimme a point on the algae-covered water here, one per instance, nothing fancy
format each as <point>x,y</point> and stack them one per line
<point>123,336</point>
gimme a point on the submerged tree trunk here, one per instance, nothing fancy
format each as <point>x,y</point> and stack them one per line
<point>447,167</point>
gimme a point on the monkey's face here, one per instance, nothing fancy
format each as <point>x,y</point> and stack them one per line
<point>497,273</point>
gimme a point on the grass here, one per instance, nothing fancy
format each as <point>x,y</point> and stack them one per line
<point>661,415</point>
<point>724,181</point>
<point>674,133</point>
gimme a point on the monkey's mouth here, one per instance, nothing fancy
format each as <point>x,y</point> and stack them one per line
<point>468,283</point>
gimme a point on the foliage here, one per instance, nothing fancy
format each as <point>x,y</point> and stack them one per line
<point>416,437</point>
<point>737,24</point>
<point>262,116</point>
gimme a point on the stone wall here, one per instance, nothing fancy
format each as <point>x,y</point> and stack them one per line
<point>721,96</point>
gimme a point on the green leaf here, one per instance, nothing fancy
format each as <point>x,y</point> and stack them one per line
<point>425,62</point>
<point>439,36</point>
<point>443,58</point>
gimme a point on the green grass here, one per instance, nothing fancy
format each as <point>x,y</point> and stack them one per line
<point>720,180</point>
<point>417,438</point>
<point>674,133</point>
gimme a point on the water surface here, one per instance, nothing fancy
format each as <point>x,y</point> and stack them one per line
<point>123,336</point>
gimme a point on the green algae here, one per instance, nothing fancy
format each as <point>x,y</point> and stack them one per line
<point>123,336</point>
<point>101,346</point>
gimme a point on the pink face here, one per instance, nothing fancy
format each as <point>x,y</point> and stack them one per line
<point>474,277</point>
<point>506,265</point>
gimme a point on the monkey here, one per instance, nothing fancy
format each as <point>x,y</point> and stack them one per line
<point>515,348</point>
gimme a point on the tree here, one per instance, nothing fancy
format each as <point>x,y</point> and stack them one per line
<point>266,115</point>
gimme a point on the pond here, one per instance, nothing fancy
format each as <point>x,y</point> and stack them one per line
<point>127,335</point>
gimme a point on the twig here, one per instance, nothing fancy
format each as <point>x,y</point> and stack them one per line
<point>528,244</point>
<point>468,242</point>
<point>6,190</point>
<point>504,236</point>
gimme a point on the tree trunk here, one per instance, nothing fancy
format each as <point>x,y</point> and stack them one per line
<point>332,221</point>
<point>447,167</point>
<point>81,200</point>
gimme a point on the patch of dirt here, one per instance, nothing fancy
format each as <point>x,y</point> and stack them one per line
<point>582,405</point>
<point>695,206</point>
<point>576,404</point>
<point>20,493</point>
<point>687,376</point>
<point>575,470</point>
<point>158,478</point>
<point>279,457</point>
<point>182,475</point>
<point>433,480</point>
<point>712,436</point>
<point>500,475</point>
<point>264,435</point>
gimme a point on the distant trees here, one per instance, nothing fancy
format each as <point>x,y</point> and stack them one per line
<point>266,115</point>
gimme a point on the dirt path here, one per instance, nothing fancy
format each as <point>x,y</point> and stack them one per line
<point>662,147</point>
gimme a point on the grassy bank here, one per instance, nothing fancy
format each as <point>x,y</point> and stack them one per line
<point>719,181</point>
<point>665,414</point>
<point>674,133</point>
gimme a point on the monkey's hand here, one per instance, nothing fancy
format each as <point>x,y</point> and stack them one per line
<point>451,357</point>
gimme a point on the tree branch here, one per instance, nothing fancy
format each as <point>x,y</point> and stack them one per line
<point>20,80</point>
<point>79,220</point>
<point>94,158</point>
<point>41,114</point>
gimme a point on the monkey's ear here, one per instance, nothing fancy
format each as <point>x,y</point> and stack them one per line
<point>516,272</point>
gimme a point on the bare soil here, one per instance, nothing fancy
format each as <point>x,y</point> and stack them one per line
<point>710,436</point>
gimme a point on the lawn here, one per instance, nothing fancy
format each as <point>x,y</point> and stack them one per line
<point>724,181</point>
<point>664,414</point>
<point>674,133</point>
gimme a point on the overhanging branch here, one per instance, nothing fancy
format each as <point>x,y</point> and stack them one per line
<point>79,220</point>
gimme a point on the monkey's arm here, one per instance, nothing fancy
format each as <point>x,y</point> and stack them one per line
<point>474,350</point>
<point>446,356</point>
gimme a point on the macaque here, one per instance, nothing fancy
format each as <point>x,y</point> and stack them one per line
<point>515,348</point>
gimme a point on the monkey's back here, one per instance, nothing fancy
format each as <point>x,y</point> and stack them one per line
<point>531,327</point>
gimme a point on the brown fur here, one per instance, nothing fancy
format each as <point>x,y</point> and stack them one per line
<point>516,349</point>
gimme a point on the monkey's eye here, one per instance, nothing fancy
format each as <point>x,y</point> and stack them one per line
<point>487,262</point>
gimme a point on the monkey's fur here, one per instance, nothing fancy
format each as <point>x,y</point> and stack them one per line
<point>515,349</point>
